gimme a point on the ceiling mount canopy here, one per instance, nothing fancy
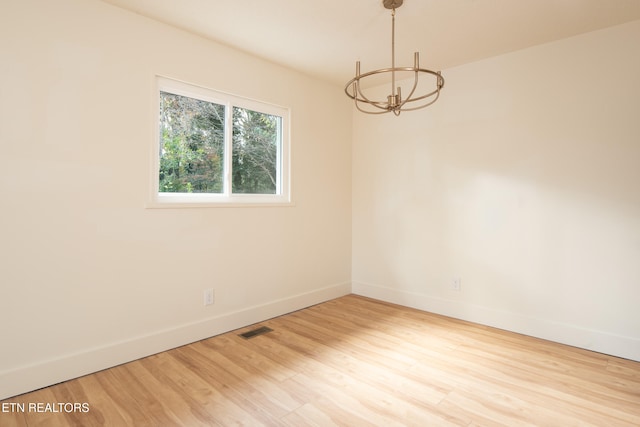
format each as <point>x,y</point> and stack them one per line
<point>392,4</point>
<point>415,100</point>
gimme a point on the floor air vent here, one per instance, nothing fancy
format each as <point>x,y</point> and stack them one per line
<point>255,332</point>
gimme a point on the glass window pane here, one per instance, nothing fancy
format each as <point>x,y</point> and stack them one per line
<point>256,140</point>
<point>191,145</point>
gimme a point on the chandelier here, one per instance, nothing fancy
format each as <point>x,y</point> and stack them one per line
<point>395,102</point>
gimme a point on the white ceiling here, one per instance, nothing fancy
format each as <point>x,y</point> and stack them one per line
<point>325,38</point>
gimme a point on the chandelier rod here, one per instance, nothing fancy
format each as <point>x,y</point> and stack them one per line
<point>393,53</point>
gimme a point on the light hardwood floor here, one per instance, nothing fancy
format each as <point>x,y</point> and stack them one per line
<point>354,361</point>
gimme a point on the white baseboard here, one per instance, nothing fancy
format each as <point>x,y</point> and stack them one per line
<point>625,347</point>
<point>28,378</point>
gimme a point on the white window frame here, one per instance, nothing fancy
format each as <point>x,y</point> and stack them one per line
<point>282,197</point>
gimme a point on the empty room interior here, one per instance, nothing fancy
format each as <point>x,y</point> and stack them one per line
<point>475,261</point>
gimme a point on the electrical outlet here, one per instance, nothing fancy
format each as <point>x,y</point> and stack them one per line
<point>456,284</point>
<point>209,297</point>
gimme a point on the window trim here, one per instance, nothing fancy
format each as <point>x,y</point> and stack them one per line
<point>158,199</point>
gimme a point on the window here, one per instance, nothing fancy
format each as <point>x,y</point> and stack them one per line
<point>215,148</point>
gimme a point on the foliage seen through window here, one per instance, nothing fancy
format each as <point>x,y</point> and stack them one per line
<point>192,148</point>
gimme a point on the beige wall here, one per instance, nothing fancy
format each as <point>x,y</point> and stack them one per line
<point>89,276</point>
<point>524,181</point>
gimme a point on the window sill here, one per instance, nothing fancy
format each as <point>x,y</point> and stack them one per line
<point>178,201</point>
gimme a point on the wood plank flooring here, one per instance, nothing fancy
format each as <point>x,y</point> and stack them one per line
<point>353,361</point>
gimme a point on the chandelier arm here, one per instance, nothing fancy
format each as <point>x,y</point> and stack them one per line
<point>413,89</point>
<point>362,99</point>
<point>357,94</point>
<point>383,109</point>
<point>425,105</point>
<point>346,89</point>
<point>371,103</point>
<point>428,95</point>
<point>360,96</point>
<point>370,112</point>
<point>439,83</point>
